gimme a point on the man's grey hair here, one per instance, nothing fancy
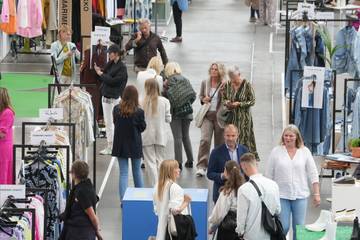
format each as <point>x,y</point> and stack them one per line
<point>233,70</point>
<point>144,20</point>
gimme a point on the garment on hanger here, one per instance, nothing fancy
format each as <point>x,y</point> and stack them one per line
<point>301,46</point>
<point>120,8</point>
<point>111,5</point>
<point>29,18</point>
<point>344,57</point>
<point>319,60</point>
<point>143,9</point>
<point>314,123</point>
<point>76,22</point>
<point>89,76</point>
<point>355,126</point>
<point>8,17</point>
<point>81,114</point>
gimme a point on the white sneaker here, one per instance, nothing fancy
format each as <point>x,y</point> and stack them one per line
<point>330,233</point>
<point>106,151</point>
<point>320,224</point>
<point>200,172</point>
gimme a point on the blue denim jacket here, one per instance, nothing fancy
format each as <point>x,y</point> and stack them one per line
<point>300,53</point>
<point>357,52</point>
<point>344,58</point>
<point>355,127</point>
<point>314,124</point>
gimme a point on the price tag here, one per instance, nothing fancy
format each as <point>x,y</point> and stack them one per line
<point>38,136</point>
<point>17,191</point>
<point>307,7</point>
<point>325,15</point>
<point>51,113</point>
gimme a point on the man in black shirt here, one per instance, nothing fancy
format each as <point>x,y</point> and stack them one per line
<point>114,78</point>
<point>145,44</point>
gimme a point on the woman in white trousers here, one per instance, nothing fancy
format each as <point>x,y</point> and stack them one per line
<point>157,117</point>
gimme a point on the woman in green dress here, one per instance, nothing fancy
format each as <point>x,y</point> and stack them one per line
<point>238,97</point>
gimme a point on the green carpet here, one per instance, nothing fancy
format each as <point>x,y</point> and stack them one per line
<point>342,233</point>
<point>28,92</point>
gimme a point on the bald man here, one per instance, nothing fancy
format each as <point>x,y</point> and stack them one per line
<point>228,151</point>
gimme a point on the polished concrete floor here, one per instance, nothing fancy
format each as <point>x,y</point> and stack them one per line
<point>213,30</point>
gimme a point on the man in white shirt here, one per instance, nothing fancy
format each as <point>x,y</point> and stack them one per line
<point>249,224</point>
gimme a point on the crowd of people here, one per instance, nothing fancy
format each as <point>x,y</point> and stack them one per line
<point>136,119</point>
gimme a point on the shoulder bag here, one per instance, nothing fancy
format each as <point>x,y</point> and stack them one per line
<point>271,223</point>
<point>200,115</point>
<point>171,220</point>
<point>52,71</point>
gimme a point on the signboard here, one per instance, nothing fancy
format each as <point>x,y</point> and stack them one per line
<point>65,12</point>
<point>17,191</point>
<point>47,114</point>
<point>38,136</point>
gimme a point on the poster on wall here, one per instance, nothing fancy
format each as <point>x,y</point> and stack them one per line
<point>100,40</point>
<point>313,87</point>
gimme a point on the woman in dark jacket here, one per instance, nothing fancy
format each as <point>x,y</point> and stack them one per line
<point>181,95</point>
<point>80,220</point>
<point>129,122</point>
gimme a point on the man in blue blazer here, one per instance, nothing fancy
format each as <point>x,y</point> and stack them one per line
<point>230,150</point>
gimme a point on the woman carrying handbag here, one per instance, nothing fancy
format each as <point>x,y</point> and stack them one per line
<point>223,216</point>
<point>172,206</point>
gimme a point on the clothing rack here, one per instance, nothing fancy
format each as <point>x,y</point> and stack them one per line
<point>71,133</point>
<point>29,191</point>
<point>334,111</point>
<point>50,103</point>
<point>16,211</point>
<point>23,146</point>
<point>345,130</point>
<point>305,19</point>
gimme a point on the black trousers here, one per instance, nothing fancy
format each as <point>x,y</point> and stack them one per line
<point>177,19</point>
<point>253,11</point>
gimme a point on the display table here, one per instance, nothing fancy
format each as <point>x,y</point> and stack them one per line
<point>342,233</point>
<point>345,196</point>
<point>138,218</point>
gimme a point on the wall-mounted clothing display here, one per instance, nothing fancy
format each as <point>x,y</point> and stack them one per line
<point>82,112</point>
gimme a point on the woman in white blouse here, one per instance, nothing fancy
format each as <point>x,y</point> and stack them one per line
<point>169,195</point>
<point>292,167</point>
<point>225,206</point>
<point>157,118</point>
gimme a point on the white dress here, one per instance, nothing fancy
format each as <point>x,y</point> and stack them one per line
<point>162,207</point>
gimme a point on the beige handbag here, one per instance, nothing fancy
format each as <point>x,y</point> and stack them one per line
<point>171,221</point>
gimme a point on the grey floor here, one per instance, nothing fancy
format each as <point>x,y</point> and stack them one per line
<point>213,30</point>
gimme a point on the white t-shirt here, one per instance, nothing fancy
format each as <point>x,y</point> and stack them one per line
<point>214,99</point>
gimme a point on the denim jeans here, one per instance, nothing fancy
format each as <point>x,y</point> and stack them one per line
<point>124,174</point>
<point>297,209</point>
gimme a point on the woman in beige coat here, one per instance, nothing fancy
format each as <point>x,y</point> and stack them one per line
<point>154,138</point>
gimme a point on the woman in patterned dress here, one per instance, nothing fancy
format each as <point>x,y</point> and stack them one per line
<point>238,97</point>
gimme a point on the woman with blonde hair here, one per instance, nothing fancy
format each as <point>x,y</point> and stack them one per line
<point>292,167</point>
<point>157,118</point>
<point>181,95</point>
<point>153,70</point>
<point>169,196</point>
<point>210,94</point>
<point>65,52</point>
<point>7,116</point>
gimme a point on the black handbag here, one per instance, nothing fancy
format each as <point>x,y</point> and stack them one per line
<point>271,223</point>
<point>229,221</point>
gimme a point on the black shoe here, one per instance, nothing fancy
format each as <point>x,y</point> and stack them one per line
<point>355,231</point>
<point>189,164</point>
<point>143,165</point>
<point>180,166</point>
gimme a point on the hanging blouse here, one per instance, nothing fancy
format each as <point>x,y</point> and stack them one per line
<point>8,17</point>
<point>30,18</point>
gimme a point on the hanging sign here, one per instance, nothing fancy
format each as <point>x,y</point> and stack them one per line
<point>308,8</point>
<point>313,87</point>
<point>47,114</point>
<point>65,12</point>
<point>325,15</point>
<point>17,191</point>
<point>38,136</point>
